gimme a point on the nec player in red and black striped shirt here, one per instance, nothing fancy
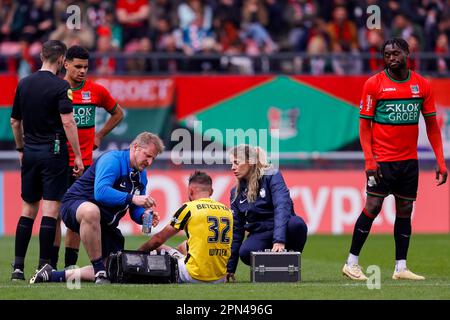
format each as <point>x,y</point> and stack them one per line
<point>87,97</point>
<point>391,104</point>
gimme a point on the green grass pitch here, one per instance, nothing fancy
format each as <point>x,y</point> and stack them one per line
<point>321,275</point>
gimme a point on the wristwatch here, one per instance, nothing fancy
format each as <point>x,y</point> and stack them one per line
<point>19,149</point>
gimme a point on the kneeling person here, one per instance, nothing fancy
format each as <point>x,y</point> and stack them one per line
<point>95,203</point>
<point>208,225</point>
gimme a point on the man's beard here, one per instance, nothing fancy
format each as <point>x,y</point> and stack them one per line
<point>400,66</point>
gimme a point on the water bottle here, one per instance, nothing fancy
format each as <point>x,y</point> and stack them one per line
<point>57,145</point>
<point>147,222</point>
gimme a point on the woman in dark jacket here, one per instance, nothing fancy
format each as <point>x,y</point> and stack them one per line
<point>262,206</point>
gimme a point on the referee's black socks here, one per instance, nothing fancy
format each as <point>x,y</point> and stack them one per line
<point>46,239</point>
<point>23,236</point>
<point>54,256</point>
<point>71,257</point>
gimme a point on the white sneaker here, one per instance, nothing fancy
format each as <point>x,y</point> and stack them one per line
<point>101,278</point>
<point>354,272</point>
<point>17,275</point>
<point>406,274</point>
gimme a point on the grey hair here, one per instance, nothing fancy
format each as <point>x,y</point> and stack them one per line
<point>145,138</point>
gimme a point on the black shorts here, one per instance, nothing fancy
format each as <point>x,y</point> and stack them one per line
<point>112,239</point>
<point>400,178</point>
<point>44,174</point>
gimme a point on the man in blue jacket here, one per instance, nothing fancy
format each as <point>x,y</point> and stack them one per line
<point>95,203</point>
<point>262,206</point>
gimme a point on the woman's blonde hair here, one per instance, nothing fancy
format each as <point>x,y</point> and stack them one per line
<point>257,158</point>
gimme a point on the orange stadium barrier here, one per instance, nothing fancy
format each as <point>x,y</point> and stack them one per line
<point>329,201</point>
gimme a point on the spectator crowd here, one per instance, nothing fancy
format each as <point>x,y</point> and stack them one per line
<point>144,36</point>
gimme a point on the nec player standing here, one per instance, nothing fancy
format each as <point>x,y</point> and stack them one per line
<point>391,104</point>
<point>87,96</point>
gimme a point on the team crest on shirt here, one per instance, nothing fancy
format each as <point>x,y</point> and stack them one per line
<point>70,94</point>
<point>262,193</point>
<point>86,96</point>
<point>414,88</point>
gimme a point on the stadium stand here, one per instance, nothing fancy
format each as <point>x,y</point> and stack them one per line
<point>226,36</point>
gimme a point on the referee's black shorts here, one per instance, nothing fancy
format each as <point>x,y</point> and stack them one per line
<point>44,174</point>
<point>400,178</point>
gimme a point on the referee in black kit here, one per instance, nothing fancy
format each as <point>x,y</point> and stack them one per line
<point>42,121</point>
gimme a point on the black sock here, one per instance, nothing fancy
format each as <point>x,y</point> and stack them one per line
<point>46,239</point>
<point>23,236</point>
<point>71,257</point>
<point>54,257</point>
<point>402,235</point>
<point>360,233</point>
<point>98,265</point>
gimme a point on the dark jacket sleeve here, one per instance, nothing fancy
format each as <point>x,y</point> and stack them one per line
<point>282,204</point>
<point>238,235</point>
<point>65,98</point>
<point>16,112</point>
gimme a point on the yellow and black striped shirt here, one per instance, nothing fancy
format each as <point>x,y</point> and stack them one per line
<point>209,228</point>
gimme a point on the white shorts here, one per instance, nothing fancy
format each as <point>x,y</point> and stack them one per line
<point>185,277</point>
